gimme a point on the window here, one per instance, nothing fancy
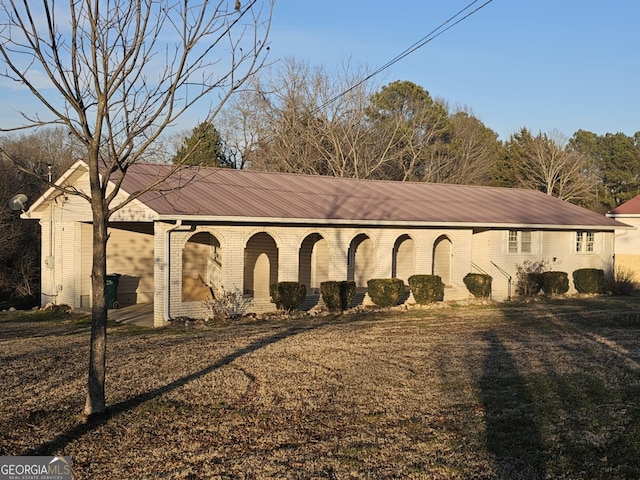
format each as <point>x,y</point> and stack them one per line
<point>520,241</point>
<point>585,241</point>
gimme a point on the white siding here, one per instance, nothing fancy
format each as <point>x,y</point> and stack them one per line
<point>59,279</point>
<point>86,260</point>
<point>404,259</point>
<point>137,251</point>
<point>556,248</point>
<point>627,246</point>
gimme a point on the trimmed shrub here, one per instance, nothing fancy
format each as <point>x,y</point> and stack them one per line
<point>589,280</point>
<point>337,296</point>
<point>288,295</point>
<point>385,292</point>
<point>426,288</point>
<point>478,284</point>
<point>555,283</point>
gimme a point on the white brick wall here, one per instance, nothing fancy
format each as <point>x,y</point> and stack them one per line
<point>233,240</point>
<point>68,281</point>
<point>555,248</point>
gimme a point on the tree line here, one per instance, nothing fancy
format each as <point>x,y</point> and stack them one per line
<point>48,152</point>
<point>299,120</point>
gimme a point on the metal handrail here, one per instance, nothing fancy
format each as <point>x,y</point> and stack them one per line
<point>506,274</point>
<point>477,267</point>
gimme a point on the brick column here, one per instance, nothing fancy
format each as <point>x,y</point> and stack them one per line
<point>288,256</point>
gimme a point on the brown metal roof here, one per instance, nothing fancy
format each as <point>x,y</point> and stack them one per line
<point>212,193</point>
<point>631,207</point>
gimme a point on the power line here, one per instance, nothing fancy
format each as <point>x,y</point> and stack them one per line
<point>433,34</point>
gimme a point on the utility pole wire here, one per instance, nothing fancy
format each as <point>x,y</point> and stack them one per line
<point>420,43</point>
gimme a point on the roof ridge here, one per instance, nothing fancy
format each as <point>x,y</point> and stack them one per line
<point>345,179</point>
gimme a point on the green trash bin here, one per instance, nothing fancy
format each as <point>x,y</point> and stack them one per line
<point>111,290</point>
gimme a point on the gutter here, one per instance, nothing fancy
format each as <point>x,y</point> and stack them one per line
<point>391,223</point>
<point>167,270</point>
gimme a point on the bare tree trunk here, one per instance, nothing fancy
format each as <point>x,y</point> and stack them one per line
<point>95,402</point>
<point>98,61</point>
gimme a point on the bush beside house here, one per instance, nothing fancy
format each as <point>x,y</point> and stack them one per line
<point>385,292</point>
<point>426,288</point>
<point>288,295</point>
<point>589,280</point>
<point>478,284</point>
<point>337,296</point>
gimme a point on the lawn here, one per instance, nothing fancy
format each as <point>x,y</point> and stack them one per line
<point>509,391</point>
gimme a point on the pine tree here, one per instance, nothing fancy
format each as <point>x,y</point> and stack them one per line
<point>203,148</point>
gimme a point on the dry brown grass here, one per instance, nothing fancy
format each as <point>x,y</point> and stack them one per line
<point>537,391</point>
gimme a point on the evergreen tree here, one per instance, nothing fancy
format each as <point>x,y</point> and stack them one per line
<point>418,129</point>
<point>617,157</point>
<point>203,148</point>
<point>510,165</point>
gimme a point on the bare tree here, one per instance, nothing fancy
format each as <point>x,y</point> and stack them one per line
<point>47,151</point>
<point>19,240</point>
<point>301,119</point>
<point>552,166</point>
<point>418,129</point>
<point>118,74</point>
<point>37,150</point>
<point>473,152</point>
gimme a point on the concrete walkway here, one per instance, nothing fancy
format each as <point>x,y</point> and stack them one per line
<point>140,314</point>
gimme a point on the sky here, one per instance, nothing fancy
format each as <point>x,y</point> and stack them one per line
<point>547,65</point>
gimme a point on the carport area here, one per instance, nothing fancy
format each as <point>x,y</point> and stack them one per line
<point>140,314</point>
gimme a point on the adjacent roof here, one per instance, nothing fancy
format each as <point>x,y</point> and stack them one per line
<point>249,195</point>
<point>631,207</point>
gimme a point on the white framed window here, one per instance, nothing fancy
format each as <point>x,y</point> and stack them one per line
<point>585,241</point>
<point>520,241</point>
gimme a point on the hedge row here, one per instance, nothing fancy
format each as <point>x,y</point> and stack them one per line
<point>585,280</point>
<point>387,292</point>
<point>339,295</point>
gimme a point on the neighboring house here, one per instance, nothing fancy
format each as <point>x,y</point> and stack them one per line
<point>242,229</point>
<point>627,241</point>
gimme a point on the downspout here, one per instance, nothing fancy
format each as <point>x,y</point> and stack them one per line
<point>615,236</point>
<point>167,270</point>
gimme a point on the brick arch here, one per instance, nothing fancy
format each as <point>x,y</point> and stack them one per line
<point>201,265</point>
<point>360,258</point>
<point>442,258</point>
<point>313,261</point>
<point>403,260</point>
<point>260,264</point>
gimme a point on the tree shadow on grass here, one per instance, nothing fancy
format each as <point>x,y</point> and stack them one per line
<point>58,443</point>
<point>512,435</point>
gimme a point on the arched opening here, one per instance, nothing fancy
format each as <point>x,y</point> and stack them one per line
<point>403,259</point>
<point>201,267</point>
<point>360,261</point>
<point>260,265</point>
<point>443,259</point>
<point>313,262</point>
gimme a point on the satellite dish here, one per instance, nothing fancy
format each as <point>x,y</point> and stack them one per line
<point>18,202</point>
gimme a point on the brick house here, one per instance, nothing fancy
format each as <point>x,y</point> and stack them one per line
<point>245,229</point>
